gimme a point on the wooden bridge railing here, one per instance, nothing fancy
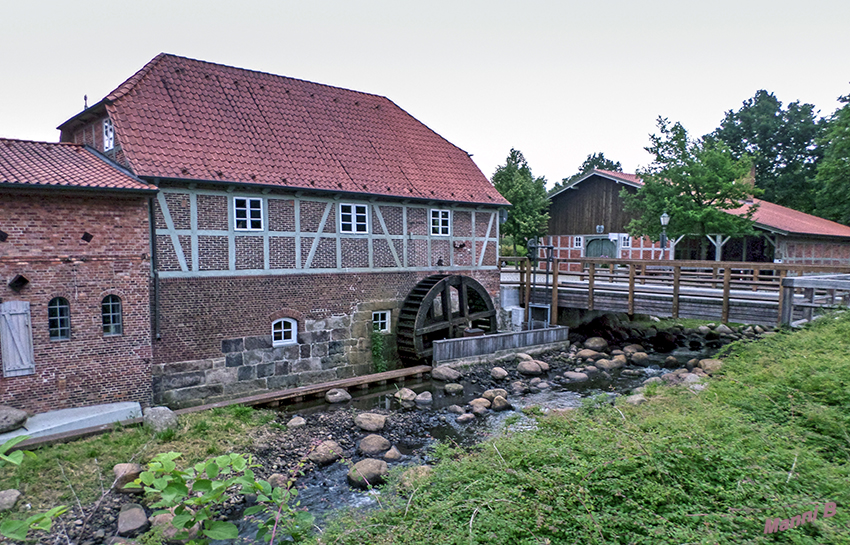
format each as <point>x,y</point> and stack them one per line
<point>763,281</point>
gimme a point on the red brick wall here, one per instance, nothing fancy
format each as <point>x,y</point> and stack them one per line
<point>810,252</point>
<point>45,246</point>
<point>198,313</point>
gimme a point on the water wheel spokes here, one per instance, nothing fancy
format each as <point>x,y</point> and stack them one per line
<point>442,307</point>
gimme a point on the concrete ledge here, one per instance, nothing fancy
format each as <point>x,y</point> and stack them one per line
<point>66,420</point>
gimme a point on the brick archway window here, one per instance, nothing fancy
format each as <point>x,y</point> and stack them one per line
<point>284,331</point>
<point>111,315</point>
<point>59,319</point>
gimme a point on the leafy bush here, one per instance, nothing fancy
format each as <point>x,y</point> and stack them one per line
<point>193,496</point>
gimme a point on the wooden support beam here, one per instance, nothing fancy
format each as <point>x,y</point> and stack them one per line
<point>527,297</point>
<point>809,294</point>
<point>784,300</point>
<point>727,281</point>
<point>677,273</point>
<point>756,273</point>
<point>553,307</point>
<point>591,279</point>
<point>631,289</point>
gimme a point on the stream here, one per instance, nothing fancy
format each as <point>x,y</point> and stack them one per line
<point>324,490</point>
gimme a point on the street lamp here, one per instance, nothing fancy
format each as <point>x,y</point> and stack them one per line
<point>665,219</point>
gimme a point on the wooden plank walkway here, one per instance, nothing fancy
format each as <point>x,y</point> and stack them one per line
<point>259,399</point>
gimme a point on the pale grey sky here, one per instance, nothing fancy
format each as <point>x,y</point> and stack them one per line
<point>556,80</point>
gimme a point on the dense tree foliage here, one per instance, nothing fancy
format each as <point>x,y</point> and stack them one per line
<point>593,161</point>
<point>696,182</point>
<point>833,175</point>
<point>528,214</point>
<point>782,143</point>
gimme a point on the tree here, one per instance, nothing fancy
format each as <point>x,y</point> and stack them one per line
<point>593,161</point>
<point>782,143</point>
<point>529,214</point>
<point>696,182</point>
<point>833,175</point>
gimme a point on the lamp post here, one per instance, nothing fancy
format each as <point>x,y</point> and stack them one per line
<point>665,219</point>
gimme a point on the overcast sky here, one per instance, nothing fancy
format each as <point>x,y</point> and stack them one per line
<point>556,80</point>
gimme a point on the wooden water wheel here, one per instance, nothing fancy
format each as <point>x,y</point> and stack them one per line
<point>441,307</point>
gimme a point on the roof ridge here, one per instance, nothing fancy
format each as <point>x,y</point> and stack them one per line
<point>261,72</point>
<point>27,141</point>
<point>131,82</point>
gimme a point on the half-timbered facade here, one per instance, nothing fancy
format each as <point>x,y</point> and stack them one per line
<point>292,219</point>
<point>587,219</point>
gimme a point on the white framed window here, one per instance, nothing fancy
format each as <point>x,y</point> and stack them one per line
<point>626,241</point>
<point>59,319</point>
<point>441,221</point>
<point>284,331</point>
<point>248,214</point>
<point>108,135</point>
<point>111,315</point>
<point>381,320</point>
<point>353,218</point>
<point>578,242</point>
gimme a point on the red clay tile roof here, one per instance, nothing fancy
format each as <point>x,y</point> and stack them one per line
<point>180,118</point>
<point>788,220</point>
<point>32,164</point>
<point>624,176</point>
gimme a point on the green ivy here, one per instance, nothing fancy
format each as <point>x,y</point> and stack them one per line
<point>379,358</point>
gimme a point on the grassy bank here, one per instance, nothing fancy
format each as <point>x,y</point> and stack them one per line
<point>78,472</point>
<point>768,438</point>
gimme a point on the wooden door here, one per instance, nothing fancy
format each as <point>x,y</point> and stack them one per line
<point>16,339</point>
<point>601,247</point>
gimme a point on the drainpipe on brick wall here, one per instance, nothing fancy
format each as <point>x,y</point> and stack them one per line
<point>154,271</point>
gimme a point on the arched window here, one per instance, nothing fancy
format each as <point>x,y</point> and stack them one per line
<point>110,311</point>
<point>284,331</point>
<point>59,319</point>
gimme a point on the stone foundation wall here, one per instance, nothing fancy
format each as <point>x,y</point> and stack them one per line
<point>333,348</point>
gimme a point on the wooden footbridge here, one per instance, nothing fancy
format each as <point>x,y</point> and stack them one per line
<point>753,293</point>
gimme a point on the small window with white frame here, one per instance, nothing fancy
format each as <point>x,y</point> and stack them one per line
<point>248,214</point>
<point>381,320</point>
<point>284,331</point>
<point>441,221</point>
<point>108,135</point>
<point>626,241</point>
<point>578,242</point>
<point>353,218</point>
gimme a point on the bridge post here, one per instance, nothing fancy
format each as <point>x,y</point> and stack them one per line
<point>591,279</point>
<point>784,300</point>
<point>527,298</point>
<point>727,281</point>
<point>786,305</point>
<point>809,294</point>
<point>631,289</point>
<point>553,308</point>
<point>677,273</point>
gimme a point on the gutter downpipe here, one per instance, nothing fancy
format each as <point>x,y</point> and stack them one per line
<point>154,271</point>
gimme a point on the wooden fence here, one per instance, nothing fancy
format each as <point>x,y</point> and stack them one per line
<point>819,292</point>
<point>748,292</point>
<point>452,349</point>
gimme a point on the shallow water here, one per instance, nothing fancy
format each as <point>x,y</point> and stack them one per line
<point>323,491</point>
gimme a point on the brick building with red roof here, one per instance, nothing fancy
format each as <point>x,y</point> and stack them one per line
<point>75,264</point>
<point>292,219</point>
<point>587,220</point>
